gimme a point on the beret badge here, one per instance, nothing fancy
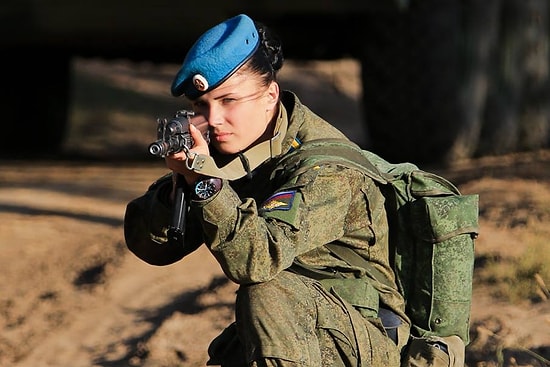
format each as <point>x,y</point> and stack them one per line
<point>200,82</point>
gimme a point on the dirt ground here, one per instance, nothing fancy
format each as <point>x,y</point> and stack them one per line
<point>73,296</point>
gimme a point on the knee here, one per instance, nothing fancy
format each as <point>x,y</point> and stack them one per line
<point>283,296</point>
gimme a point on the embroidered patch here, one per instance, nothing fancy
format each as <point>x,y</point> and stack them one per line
<point>279,201</point>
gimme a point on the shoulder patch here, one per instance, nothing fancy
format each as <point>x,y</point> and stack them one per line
<point>279,201</point>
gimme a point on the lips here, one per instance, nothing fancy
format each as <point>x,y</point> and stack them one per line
<point>221,136</point>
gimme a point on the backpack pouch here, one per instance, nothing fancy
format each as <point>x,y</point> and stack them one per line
<point>444,228</point>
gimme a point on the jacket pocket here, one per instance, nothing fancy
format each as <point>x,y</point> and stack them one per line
<point>357,292</point>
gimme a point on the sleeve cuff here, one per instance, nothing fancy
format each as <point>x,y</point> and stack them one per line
<point>219,207</point>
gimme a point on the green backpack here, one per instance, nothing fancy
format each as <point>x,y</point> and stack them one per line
<point>432,232</point>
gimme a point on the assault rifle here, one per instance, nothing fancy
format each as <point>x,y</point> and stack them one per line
<point>173,136</point>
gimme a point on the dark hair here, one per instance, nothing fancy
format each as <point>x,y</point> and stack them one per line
<point>268,58</point>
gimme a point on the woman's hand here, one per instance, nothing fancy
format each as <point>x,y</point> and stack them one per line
<point>177,161</point>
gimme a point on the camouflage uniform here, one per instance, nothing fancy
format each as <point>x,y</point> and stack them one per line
<point>297,304</point>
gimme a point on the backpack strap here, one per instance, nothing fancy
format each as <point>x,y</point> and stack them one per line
<point>337,151</point>
<point>353,258</point>
<point>340,151</point>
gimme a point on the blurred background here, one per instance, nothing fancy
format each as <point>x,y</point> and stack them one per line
<point>438,81</point>
<point>460,86</point>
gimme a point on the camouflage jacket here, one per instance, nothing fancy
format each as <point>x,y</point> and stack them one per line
<point>257,227</point>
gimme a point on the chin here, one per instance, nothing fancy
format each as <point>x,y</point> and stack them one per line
<point>225,148</point>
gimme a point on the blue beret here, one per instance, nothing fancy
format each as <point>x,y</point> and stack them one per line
<point>215,56</point>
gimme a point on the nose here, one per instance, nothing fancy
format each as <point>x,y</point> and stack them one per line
<point>214,115</point>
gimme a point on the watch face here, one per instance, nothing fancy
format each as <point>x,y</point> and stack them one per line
<point>205,189</point>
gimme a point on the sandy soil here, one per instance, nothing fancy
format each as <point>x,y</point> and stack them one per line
<point>73,296</point>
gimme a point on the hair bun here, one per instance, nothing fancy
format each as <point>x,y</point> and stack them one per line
<point>271,46</point>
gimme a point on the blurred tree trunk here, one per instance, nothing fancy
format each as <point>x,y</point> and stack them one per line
<point>449,79</point>
<point>478,34</point>
<point>517,110</point>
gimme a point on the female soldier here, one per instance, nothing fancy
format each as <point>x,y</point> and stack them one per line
<point>297,304</point>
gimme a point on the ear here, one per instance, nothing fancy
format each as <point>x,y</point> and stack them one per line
<point>272,95</point>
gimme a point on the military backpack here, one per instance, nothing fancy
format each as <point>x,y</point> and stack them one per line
<point>432,231</point>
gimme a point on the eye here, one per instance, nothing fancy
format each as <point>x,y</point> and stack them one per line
<point>198,104</point>
<point>228,100</point>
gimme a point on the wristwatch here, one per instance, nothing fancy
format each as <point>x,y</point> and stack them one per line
<point>206,188</point>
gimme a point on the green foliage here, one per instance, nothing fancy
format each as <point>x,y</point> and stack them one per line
<point>523,278</point>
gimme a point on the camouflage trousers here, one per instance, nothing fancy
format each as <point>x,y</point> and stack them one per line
<point>293,321</point>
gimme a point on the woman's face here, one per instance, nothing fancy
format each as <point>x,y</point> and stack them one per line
<point>239,112</point>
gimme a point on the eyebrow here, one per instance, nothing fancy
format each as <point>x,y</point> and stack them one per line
<point>235,95</point>
<point>223,96</point>
<point>201,99</point>
<point>239,97</point>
